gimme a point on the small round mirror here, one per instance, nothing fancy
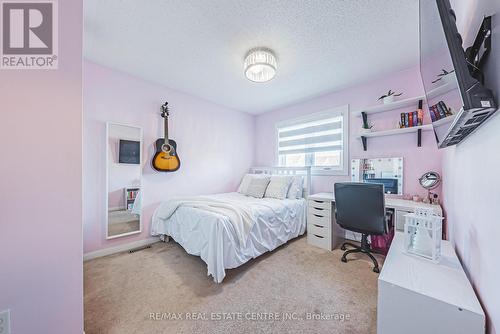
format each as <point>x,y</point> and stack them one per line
<point>430,180</point>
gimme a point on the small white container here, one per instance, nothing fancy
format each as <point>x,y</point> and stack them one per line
<point>388,99</point>
<point>449,78</point>
<point>423,234</point>
<point>365,131</point>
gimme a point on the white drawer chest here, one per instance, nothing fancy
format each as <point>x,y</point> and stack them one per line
<point>322,230</point>
<point>417,296</point>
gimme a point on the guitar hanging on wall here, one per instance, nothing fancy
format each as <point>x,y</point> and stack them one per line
<point>166,158</point>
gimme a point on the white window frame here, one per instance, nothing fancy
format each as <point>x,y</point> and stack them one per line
<point>337,111</point>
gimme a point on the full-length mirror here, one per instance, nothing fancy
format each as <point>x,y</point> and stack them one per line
<point>124,174</point>
<point>387,171</point>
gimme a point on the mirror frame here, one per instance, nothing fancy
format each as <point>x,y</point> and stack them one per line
<point>106,218</point>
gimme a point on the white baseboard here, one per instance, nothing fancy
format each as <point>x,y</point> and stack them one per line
<point>119,248</point>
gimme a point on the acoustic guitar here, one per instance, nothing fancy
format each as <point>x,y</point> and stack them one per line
<point>166,158</point>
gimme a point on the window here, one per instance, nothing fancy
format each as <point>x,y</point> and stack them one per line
<point>318,140</point>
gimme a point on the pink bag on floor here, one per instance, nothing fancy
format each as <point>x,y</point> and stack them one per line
<point>381,243</point>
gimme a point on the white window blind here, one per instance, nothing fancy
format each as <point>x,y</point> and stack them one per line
<point>318,140</point>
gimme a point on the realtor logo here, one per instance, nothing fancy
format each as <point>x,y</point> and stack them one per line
<point>29,35</point>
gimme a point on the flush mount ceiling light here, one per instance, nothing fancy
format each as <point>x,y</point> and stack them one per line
<point>260,65</point>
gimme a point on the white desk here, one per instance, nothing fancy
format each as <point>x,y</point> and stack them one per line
<point>401,207</point>
<point>418,296</point>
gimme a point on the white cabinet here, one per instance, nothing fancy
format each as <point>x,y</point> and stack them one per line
<point>322,230</point>
<point>418,296</point>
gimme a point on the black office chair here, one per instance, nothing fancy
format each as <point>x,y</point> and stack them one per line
<point>360,207</point>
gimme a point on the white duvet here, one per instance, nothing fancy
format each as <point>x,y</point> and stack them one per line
<point>227,230</point>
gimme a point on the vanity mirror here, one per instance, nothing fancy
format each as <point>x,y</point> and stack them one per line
<point>430,181</point>
<point>387,171</point>
<point>123,180</point>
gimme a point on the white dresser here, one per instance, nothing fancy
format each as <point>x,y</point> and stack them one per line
<point>418,296</point>
<point>322,230</point>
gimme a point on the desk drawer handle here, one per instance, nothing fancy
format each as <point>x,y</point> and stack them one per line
<point>318,236</point>
<point>319,201</point>
<point>318,226</point>
<point>321,209</point>
<point>319,216</point>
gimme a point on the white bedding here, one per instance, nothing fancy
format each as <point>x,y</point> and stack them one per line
<point>214,238</point>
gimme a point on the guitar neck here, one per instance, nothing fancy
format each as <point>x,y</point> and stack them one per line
<point>166,129</point>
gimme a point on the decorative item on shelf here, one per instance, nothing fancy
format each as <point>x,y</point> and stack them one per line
<point>444,76</point>
<point>367,127</point>
<point>439,110</point>
<point>416,198</point>
<point>389,97</point>
<point>420,113</point>
<point>430,181</point>
<point>423,234</point>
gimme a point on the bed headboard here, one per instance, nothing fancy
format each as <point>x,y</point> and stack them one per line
<point>304,171</point>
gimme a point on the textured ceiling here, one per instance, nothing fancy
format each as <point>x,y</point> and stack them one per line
<point>198,47</point>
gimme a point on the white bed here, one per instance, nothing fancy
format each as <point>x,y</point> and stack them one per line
<point>213,237</point>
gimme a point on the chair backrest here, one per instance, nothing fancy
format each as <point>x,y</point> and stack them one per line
<point>360,207</point>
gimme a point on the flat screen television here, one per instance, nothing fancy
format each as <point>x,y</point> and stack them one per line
<point>129,152</point>
<point>457,102</point>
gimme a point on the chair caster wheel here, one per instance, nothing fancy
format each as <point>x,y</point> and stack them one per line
<point>343,259</point>
<point>376,269</point>
<point>343,248</point>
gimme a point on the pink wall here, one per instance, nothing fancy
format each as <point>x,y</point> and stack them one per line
<point>416,160</point>
<point>470,185</point>
<point>41,279</point>
<point>215,145</point>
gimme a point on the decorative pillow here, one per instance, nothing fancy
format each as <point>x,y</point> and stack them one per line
<point>296,188</point>
<point>257,186</point>
<point>245,182</point>
<point>278,187</point>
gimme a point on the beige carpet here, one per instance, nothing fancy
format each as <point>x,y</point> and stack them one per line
<point>122,290</point>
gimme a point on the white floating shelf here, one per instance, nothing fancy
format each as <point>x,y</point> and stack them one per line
<point>412,101</point>
<point>445,120</point>
<point>399,131</point>
<point>441,90</point>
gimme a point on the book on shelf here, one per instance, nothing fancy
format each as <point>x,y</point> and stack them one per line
<point>413,118</point>
<point>420,113</point>
<point>410,119</point>
<point>438,111</point>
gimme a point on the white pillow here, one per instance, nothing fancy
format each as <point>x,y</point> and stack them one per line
<point>296,188</point>
<point>278,187</point>
<point>257,186</point>
<point>245,182</point>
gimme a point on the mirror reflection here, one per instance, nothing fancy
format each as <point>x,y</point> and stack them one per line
<point>437,71</point>
<point>386,171</point>
<point>124,174</point>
